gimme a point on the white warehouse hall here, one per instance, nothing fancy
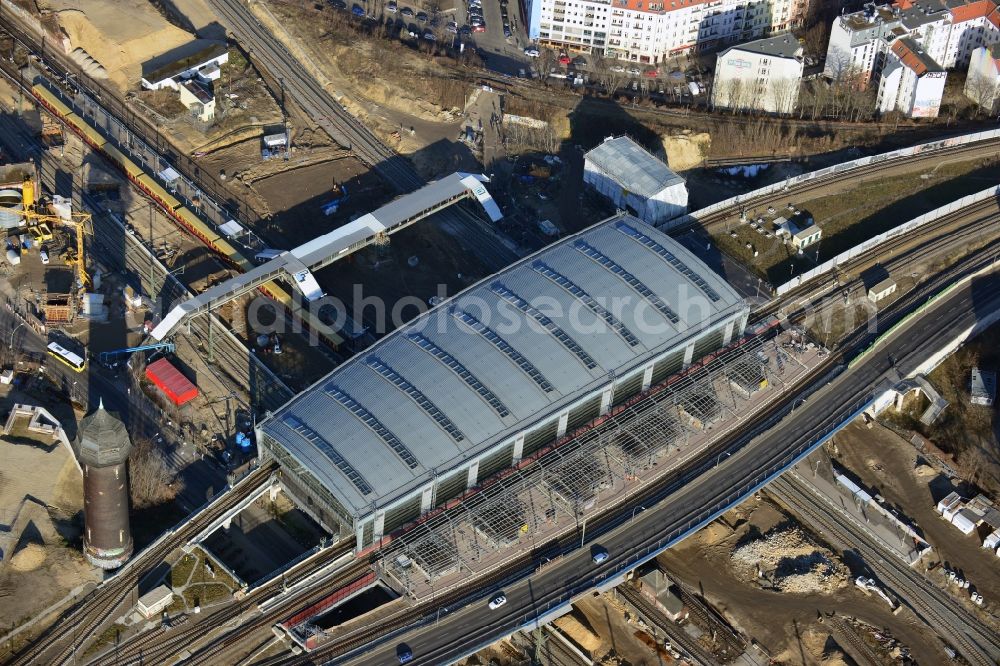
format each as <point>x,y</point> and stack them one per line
<point>635,181</point>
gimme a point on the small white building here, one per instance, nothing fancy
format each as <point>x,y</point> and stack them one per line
<point>983,388</point>
<point>806,236</point>
<point>153,602</point>
<point>965,520</point>
<point>992,540</point>
<point>764,75</point>
<point>881,290</point>
<point>635,181</point>
<point>204,60</point>
<point>947,506</point>
<point>199,99</point>
<point>982,84</point>
<point>912,82</point>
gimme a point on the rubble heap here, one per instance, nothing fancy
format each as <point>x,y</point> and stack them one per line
<point>786,559</point>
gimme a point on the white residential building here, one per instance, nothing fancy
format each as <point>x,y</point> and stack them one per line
<point>204,60</point>
<point>650,30</point>
<point>911,81</point>
<point>199,99</point>
<point>982,85</point>
<point>764,74</point>
<point>635,181</point>
<point>947,30</point>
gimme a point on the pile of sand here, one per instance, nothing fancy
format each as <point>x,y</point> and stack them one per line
<point>108,44</point>
<point>579,634</point>
<point>28,558</point>
<point>786,558</point>
<point>924,471</point>
<point>686,150</point>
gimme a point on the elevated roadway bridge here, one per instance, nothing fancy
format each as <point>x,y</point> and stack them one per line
<point>691,500</point>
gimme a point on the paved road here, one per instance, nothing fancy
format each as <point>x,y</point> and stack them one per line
<point>477,236</point>
<point>474,626</point>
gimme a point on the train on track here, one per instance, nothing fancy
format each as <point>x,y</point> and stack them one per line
<point>180,213</point>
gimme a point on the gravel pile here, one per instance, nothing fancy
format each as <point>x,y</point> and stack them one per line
<point>788,560</point>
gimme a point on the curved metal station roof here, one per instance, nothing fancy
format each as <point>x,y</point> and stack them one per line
<point>501,355</point>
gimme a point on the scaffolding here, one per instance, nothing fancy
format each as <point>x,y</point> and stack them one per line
<point>566,481</point>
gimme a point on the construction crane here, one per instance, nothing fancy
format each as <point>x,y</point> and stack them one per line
<point>40,227</point>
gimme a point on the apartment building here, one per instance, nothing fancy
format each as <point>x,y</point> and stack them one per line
<point>649,31</point>
<point>764,74</point>
<point>911,81</point>
<point>946,30</point>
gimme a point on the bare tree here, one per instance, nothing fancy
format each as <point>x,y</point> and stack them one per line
<point>982,90</point>
<point>816,38</point>
<point>784,95</point>
<point>610,73</point>
<point>151,481</point>
<point>547,59</point>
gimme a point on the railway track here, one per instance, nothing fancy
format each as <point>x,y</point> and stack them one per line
<point>730,643</point>
<point>955,229</point>
<point>941,612</point>
<point>128,252</point>
<point>675,633</point>
<point>480,239</point>
<point>161,645</point>
<point>555,652</point>
<point>348,643</point>
<point>988,148</point>
<point>82,621</point>
<point>859,650</point>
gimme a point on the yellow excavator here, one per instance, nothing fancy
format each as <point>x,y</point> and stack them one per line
<point>40,225</point>
<point>40,220</point>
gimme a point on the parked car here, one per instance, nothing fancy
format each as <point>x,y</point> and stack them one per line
<point>338,4</point>
<point>391,7</point>
<point>531,52</point>
<point>651,73</point>
<point>406,11</point>
<point>579,61</point>
<point>617,68</point>
<point>478,27</point>
<point>506,31</point>
<point>634,71</point>
<point>358,10</point>
<point>422,17</point>
<point>44,256</point>
<point>430,37</point>
<point>452,27</point>
<point>564,59</point>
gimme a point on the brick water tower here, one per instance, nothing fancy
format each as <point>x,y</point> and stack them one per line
<point>103,447</point>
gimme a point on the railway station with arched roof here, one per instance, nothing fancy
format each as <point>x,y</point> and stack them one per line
<point>495,373</point>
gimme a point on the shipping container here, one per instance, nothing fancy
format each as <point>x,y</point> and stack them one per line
<point>169,379</point>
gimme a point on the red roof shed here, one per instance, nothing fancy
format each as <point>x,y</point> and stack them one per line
<point>170,380</point>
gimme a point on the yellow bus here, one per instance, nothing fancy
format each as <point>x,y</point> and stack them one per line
<point>67,357</point>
